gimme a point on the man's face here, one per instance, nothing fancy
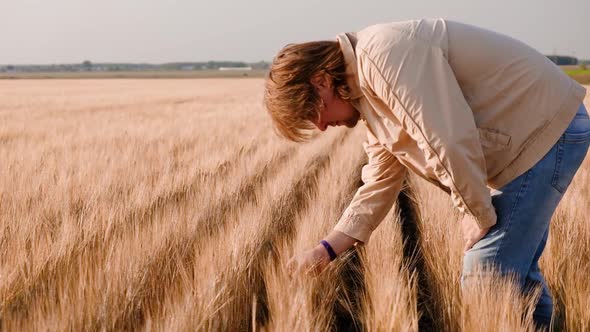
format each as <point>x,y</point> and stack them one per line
<point>335,111</point>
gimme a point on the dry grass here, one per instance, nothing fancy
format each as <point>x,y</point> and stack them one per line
<point>171,205</point>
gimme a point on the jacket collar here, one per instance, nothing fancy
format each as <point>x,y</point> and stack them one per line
<point>347,43</point>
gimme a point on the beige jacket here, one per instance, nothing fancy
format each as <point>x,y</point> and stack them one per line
<point>465,108</point>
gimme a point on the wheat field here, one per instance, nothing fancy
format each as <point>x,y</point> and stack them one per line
<point>171,205</point>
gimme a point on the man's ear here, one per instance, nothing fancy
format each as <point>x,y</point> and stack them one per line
<point>320,80</point>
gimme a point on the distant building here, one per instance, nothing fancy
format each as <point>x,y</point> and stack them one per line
<point>235,68</point>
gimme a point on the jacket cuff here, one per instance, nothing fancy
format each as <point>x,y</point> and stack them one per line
<point>354,226</point>
<point>488,219</point>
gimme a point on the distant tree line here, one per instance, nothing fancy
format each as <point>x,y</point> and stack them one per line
<point>563,60</point>
<point>88,65</point>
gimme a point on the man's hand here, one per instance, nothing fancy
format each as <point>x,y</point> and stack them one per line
<point>312,261</point>
<point>471,231</point>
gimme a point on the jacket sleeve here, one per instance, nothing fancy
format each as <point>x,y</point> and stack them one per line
<point>383,176</point>
<point>414,79</point>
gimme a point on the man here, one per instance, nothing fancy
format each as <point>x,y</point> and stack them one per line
<point>481,115</point>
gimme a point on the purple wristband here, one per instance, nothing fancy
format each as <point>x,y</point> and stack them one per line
<point>329,249</point>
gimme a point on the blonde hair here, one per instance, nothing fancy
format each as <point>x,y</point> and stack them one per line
<point>290,98</point>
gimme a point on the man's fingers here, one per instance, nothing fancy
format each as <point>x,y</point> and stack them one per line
<point>468,245</point>
<point>299,265</point>
<point>291,266</point>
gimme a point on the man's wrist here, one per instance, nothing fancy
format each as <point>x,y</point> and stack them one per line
<point>324,252</point>
<point>332,254</point>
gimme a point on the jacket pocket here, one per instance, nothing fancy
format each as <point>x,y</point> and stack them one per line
<point>492,139</point>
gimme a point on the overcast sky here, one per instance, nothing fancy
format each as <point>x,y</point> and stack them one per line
<point>156,31</point>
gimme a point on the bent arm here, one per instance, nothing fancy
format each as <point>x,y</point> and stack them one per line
<point>383,177</point>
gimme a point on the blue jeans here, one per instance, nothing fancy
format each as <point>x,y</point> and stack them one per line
<point>524,208</point>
